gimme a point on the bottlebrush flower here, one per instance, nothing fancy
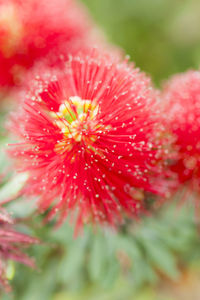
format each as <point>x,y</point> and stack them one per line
<point>11,244</point>
<point>31,29</point>
<point>182,108</point>
<point>90,140</point>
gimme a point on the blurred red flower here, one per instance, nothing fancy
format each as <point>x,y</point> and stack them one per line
<point>31,29</point>
<point>11,244</point>
<point>182,108</point>
<point>90,139</point>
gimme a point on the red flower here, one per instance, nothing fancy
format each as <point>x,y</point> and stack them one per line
<point>90,139</point>
<point>11,243</point>
<point>182,108</point>
<point>31,29</point>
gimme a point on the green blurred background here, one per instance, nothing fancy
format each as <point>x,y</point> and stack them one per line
<point>161,36</point>
<point>157,258</point>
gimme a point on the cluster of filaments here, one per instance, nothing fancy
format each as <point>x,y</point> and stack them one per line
<point>77,121</point>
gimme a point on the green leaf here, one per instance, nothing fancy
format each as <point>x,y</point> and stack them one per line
<point>97,259</point>
<point>13,186</point>
<point>161,258</point>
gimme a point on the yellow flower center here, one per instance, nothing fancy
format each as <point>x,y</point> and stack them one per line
<point>77,120</point>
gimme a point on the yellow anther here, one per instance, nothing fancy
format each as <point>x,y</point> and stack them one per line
<point>76,119</point>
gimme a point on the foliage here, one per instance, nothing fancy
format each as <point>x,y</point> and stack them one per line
<point>124,262</point>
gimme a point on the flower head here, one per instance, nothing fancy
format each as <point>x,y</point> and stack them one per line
<point>31,29</point>
<point>182,107</point>
<point>90,139</point>
<point>11,244</point>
